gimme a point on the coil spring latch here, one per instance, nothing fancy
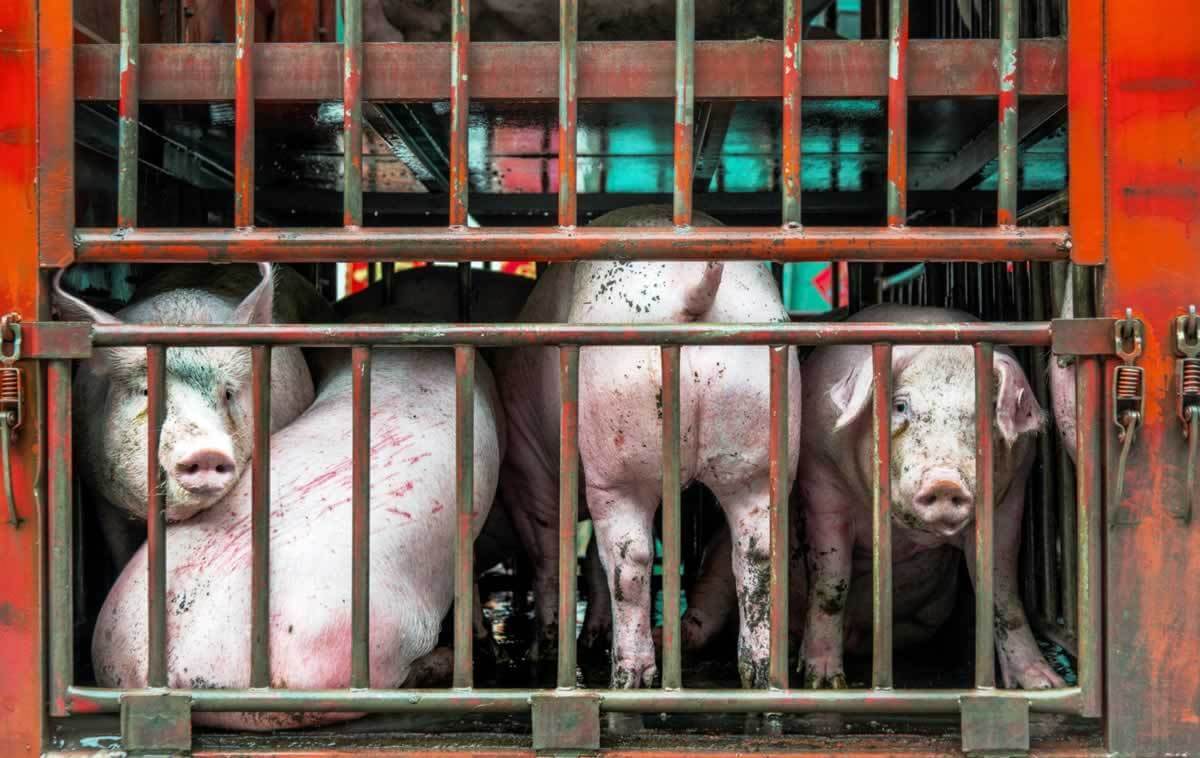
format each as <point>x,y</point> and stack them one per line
<point>1128,396</point>
<point>1187,368</point>
<point>11,414</point>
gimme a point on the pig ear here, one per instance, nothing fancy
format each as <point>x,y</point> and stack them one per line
<point>71,308</point>
<point>259,305</point>
<point>852,395</point>
<point>1017,410</point>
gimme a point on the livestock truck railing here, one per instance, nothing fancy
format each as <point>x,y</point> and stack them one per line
<point>1085,337</point>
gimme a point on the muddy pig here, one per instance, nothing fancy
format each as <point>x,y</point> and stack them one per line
<point>206,434</point>
<point>933,495</point>
<point>724,417</point>
<point>412,491</point>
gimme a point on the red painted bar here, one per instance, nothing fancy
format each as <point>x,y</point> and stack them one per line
<point>243,129</point>
<point>1089,483</point>
<point>777,442</point>
<point>460,106</point>
<point>60,476</point>
<point>464,538</point>
<point>195,245</point>
<point>672,672</point>
<point>156,517</point>
<point>56,133</point>
<point>352,96</point>
<point>506,71</point>
<point>985,547</point>
<point>897,166</point>
<point>360,504</point>
<point>793,84</point>
<point>685,99</point>
<point>260,515</point>
<point>881,525</point>
<point>568,511</point>
<point>128,108</point>
<point>1009,33</point>
<point>509,335</point>
<point>568,110</point>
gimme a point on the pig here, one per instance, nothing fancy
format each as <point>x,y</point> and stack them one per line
<point>206,433</point>
<point>724,417</point>
<point>933,496</point>
<point>537,20</point>
<point>412,495</point>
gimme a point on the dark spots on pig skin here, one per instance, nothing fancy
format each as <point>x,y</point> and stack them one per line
<point>753,673</point>
<point>621,678</point>
<point>832,600</point>
<point>200,683</point>
<point>618,592</point>
<point>290,627</point>
<point>658,402</point>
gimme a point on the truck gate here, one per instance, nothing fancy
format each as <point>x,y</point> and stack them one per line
<point>1127,592</point>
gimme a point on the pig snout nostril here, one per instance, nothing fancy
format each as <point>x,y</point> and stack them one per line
<point>205,472</point>
<point>926,499</point>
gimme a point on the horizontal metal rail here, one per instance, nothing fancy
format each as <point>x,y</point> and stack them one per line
<point>309,245</point>
<point>748,70</point>
<point>83,700</point>
<point>497,335</point>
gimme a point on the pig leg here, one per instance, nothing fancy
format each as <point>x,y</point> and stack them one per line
<point>596,636</point>
<point>536,523</point>
<point>1021,662</point>
<point>625,537</point>
<point>746,503</point>
<point>830,542</point>
<point>712,597</point>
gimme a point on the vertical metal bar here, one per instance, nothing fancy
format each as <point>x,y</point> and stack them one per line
<point>1046,527</point>
<point>881,572</point>
<point>568,110</point>
<point>898,115</point>
<point>1006,214</point>
<point>156,517</point>
<point>464,556</point>
<point>243,124</point>
<point>360,503</point>
<point>60,474</point>
<point>568,510</point>
<point>352,56</point>
<point>685,91</point>
<point>459,110</point>
<point>260,510</point>
<point>777,675</point>
<point>128,107</point>
<point>1089,419</point>
<point>672,678</point>
<point>793,29</point>
<point>985,547</point>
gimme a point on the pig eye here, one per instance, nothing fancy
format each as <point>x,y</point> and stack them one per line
<point>900,405</point>
<point>145,392</point>
<point>228,395</point>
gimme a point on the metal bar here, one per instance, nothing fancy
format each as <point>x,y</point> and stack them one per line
<point>685,99</point>
<point>156,517</point>
<point>612,71</point>
<point>777,675</point>
<point>793,82</point>
<point>898,115</point>
<point>1089,384</point>
<point>881,567</point>
<point>1046,530</point>
<point>512,335</point>
<point>310,245</point>
<point>905,702</point>
<point>55,132</point>
<point>352,97</point>
<point>985,543</point>
<point>360,496</point>
<point>128,110</point>
<point>260,510</point>
<point>672,676</point>
<point>243,123</point>
<point>460,104</point>
<point>1006,214</point>
<point>568,110</point>
<point>60,474</point>
<point>464,555</point>
<point>568,511</point>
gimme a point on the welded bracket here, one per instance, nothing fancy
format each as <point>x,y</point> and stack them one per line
<point>66,340</point>
<point>156,725</point>
<point>566,723</point>
<point>995,726</point>
<point>1082,336</point>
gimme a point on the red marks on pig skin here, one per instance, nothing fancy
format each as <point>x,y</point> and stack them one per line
<point>398,512</point>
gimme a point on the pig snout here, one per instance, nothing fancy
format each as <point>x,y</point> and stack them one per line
<point>943,502</point>
<point>206,471</point>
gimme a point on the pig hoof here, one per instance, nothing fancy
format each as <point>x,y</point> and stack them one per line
<point>1038,675</point>
<point>822,676</point>
<point>624,724</point>
<point>768,724</point>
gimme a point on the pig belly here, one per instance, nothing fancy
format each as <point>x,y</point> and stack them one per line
<point>412,496</point>
<point>924,590</point>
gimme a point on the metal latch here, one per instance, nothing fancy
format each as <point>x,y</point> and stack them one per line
<point>1128,392</point>
<point>11,412</point>
<point>1187,369</point>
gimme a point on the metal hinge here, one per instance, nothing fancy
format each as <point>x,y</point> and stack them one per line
<point>154,725</point>
<point>995,726</point>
